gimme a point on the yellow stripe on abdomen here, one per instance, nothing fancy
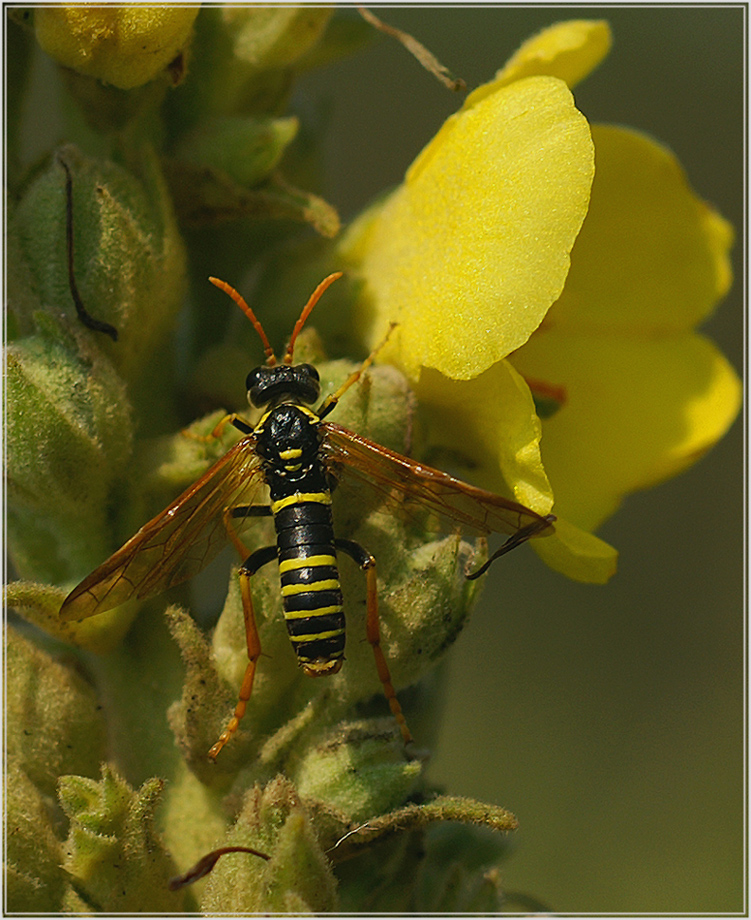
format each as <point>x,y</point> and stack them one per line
<point>299,498</point>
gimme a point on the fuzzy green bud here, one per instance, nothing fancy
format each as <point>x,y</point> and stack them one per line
<point>113,850</point>
<point>359,771</point>
<point>34,880</point>
<point>69,436</point>
<point>128,258</point>
<point>274,36</point>
<point>245,149</point>
<point>242,59</point>
<point>206,703</point>
<point>125,46</point>
<point>53,717</point>
<point>297,878</point>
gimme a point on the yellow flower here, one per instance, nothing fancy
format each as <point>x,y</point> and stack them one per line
<point>470,256</point>
<point>123,45</point>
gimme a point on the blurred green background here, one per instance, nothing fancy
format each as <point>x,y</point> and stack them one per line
<point>610,720</point>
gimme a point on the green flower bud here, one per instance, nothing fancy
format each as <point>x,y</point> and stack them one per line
<point>241,60</point>
<point>208,197</point>
<point>300,879</point>
<point>274,36</point>
<point>113,850</point>
<point>123,45</point>
<point>128,257</point>
<point>297,878</point>
<point>380,406</point>
<point>245,149</point>
<point>69,436</point>
<point>53,717</point>
<point>34,880</point>
<point>206,704</point>
<point>359,771</point>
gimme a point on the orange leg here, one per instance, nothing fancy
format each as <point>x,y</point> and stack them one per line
<point>218,430</point>
<point>373,631</point>
<point>256,560</point>
<point>330,402</point>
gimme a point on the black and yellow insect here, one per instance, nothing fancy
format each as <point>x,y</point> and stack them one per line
<point>301,458</point>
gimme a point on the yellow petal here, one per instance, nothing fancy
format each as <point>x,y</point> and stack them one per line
<point>637,410</point>
<point>577,554</point>
<point>489,422</point>
<point>471,251</point>
<point>651,254</point>
<point>568,50</point>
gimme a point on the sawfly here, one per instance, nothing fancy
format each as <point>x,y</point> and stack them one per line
<point>301,458</point>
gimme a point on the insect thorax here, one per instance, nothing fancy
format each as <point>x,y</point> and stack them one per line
<point>288,444</point>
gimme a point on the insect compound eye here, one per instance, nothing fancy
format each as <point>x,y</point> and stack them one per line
<point>254,384</point>
<point>308,382</point>
<point>309,371</point>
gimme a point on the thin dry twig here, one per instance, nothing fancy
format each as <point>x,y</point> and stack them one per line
<point>428,60</point>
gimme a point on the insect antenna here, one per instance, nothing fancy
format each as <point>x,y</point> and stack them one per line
<point>240,301</point>
<point>307,310</point>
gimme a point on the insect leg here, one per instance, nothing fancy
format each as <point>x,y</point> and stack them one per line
<point>368,564</point>
<point>333,398</point>
<point>242,511</point>
<point>231,419</point>
<point>252,564</point>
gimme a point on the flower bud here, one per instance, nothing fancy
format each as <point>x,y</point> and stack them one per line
<point>245,149</point>
<point>297,878</point>
<point>69,436</point>
<point>123,45</point>
<point>128,259</point>
<point>359,771</point>
<point>53,717</point>
<point>242,57</point>
<point>113,850</point>
<point>34,880</point>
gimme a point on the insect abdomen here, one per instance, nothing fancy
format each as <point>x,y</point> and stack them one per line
<point>311,593</point>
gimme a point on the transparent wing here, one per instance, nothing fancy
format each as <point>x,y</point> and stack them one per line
<point>176,544</point>
<point>402,482</point>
